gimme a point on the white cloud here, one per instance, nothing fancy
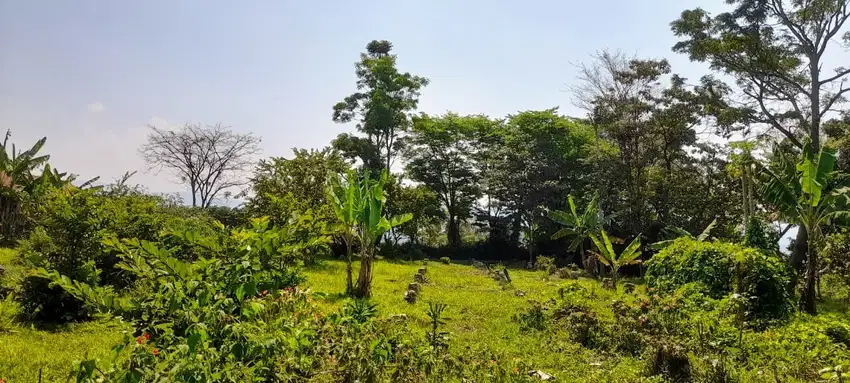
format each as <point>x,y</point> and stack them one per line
<point>95,107</point>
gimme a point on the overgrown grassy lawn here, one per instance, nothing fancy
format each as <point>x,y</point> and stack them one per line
<point>480,312</point>
<point>25,351</point>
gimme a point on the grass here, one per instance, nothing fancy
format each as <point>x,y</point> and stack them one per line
<point>24,349</point>
<point>27,350</point>
<point>7,260</point>
<point>480,311</point>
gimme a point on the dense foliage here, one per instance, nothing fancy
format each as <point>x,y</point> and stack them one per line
<point>720,269</point>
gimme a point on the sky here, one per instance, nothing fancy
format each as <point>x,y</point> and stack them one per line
<point>91,75</point>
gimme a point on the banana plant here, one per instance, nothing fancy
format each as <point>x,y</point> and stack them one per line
<point>579,227</point>
<point>16,180</point>
<point>678,232</point>
<point>372,226</point>
<point>610,258</point>
<point>811,195</point>
<point>358,203</point>
<point>344,192</point>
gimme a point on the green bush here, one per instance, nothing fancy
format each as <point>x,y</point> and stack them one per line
<point>69,227</point>
<point>724,268</point>
<point>67,238</point>
<point>836,258</point>
<point>546,264</point>
<point>445,260</point>
<point>761,235</point>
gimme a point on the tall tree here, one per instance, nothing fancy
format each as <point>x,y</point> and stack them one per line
<point>304,177</point>
<point>539,157</point>
<point>776,51</point>
<point>209,159</point>
<point>440,156</point>
<point>381,105</point>
<point>423,205</point>
<point>651,116</point>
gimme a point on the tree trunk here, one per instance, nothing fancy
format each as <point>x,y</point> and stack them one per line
<point>10,219</point>
<point>349,284</point>
<point>364,280</point>
<point>798,252</point>
<point>516,228</point>
<point>808,296</point>
<point>453,232</point>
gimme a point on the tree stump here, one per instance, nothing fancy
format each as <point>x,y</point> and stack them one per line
<point>419,278</point>
<point>410,296</point>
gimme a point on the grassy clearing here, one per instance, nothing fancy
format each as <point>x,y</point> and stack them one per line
<point>26,350</point>
<point>480,312</point>
<point>481,316</point>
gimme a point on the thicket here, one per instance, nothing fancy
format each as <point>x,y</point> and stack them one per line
<point>720,269</point>
<point>68,228</point>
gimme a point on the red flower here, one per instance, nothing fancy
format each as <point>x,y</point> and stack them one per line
<point>516,370</point>
<point>147,336</point>
<point>155,352</point>
<point>265,292</point>
<point>140,340</point>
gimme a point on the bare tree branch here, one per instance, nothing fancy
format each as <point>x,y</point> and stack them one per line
<point>209,159</point>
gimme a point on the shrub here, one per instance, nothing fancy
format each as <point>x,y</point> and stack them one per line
<point>68,240</point>
<point>839,333</point>
<point>70,225</point>
<point>535,318</point>
<point>724,268</point>
<point>445,260</point>
<point>836,257</point>
<point>760,235</point>
<point>546,264</point>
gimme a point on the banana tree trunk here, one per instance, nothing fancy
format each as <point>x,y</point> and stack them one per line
<point>364,280</point>
<point>10,218</point>
<point>349,284</point>
<point>808,296</point>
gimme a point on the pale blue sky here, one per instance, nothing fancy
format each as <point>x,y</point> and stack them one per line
<point>91,74</point>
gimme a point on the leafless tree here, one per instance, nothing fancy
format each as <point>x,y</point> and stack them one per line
<point>210,159</point>
<point>597,80</point>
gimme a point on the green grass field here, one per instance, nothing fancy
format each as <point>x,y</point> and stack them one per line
<point>480,312</point>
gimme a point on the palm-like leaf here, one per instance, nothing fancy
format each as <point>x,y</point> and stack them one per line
<point>606,254</point>
<point>631,253</point>
<point>707,231</point>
